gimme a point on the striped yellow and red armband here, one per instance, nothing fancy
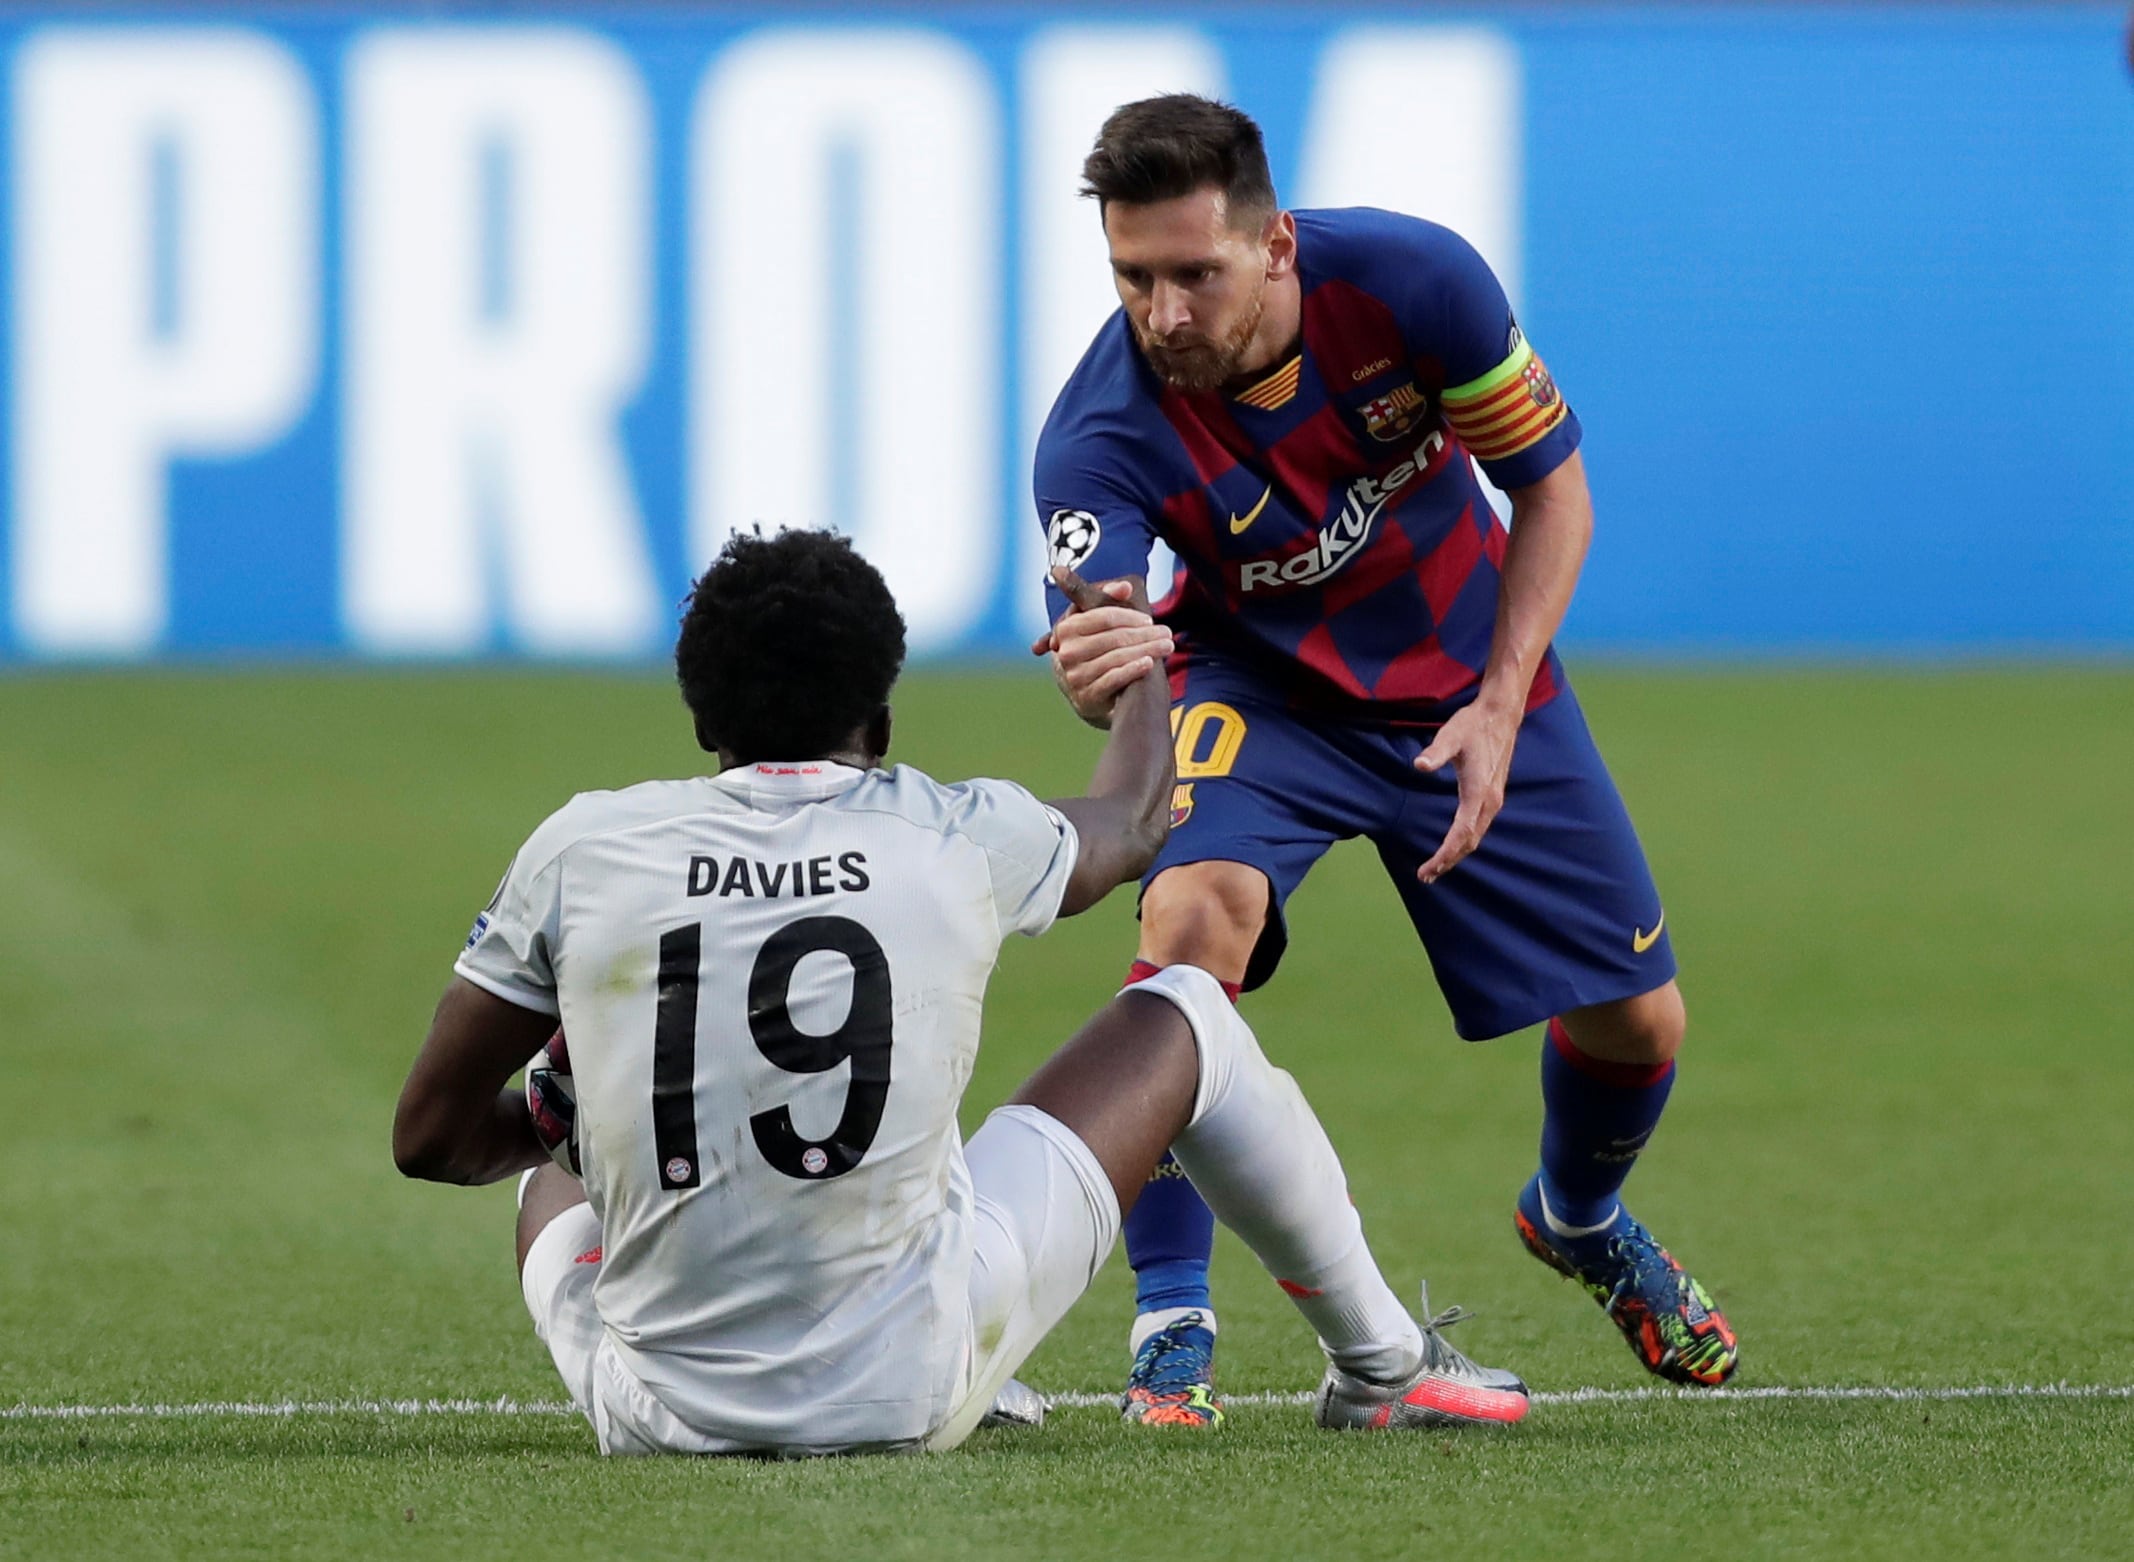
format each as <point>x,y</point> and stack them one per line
<point>1502,412</point>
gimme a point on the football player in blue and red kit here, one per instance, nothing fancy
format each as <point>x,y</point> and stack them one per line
<point>1289,400</point>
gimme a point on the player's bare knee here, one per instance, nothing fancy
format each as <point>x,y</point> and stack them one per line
<point>1663,1020</point>
<point>1646,1029</point>
<point>1208,914</point>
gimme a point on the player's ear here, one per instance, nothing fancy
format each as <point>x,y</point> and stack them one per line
<point>1279,242</point>
<point>878,733</point>
<point>705,740</point>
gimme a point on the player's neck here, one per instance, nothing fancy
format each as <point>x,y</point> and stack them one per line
<point>851,758</point>
<point>1274,341</point>
<point>862,749</point>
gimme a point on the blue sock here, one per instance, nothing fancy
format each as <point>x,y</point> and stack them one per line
<point>1170,1236</point>
<point>1597,1117</point>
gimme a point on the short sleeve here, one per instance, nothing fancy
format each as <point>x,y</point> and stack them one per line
<point>511,949</point>
<point>1498,396</point>
<point>1092,522</point>
<point>1030,851</point>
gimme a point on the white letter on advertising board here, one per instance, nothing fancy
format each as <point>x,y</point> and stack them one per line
<point>846,333</point>
<point>498,323</point>
<point>165,303</point>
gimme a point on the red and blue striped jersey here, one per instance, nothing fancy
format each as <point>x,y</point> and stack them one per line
<point>1328,525</point>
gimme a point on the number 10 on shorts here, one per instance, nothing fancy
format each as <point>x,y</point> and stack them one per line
<point>1207,737</point>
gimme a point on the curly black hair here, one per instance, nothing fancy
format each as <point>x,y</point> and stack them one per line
<point>789,645</point>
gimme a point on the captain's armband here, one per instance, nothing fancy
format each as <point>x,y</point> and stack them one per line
<point>1513,406</point>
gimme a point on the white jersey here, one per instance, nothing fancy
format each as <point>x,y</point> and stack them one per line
<point>771,983</point>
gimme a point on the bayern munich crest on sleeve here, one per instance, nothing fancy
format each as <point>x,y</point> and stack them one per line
<point>1071,536</point>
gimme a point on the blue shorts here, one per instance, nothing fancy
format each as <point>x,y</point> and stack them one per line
<point>1555,910</point>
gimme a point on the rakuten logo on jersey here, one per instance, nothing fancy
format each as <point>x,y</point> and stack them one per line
<point>1342,538</point>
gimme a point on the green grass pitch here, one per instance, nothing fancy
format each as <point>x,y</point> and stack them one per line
<point>1899,1152</point>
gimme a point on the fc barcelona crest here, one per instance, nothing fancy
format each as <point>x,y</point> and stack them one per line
<point>1540,387</point>
<point>1393,414</point>
<point>1181,804</point>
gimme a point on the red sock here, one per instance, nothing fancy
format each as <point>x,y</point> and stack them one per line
<point>1142,970</point>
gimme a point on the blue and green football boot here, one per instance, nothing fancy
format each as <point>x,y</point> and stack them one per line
<point>1172,1381</point>
<point>1671,1322</point>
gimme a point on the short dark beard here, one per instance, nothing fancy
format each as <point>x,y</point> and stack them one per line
<point>1205,366</point>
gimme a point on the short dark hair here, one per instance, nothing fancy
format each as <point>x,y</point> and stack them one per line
<point>789,644</point>
<point>1161,148</point>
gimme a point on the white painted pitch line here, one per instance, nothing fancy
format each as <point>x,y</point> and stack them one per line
<point>1699,1396</point>
<point>288,1407</point>
<point>1065,1401</point>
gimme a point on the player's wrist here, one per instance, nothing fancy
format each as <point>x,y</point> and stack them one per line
<point>1096,712</point>
<point>1500,700</point>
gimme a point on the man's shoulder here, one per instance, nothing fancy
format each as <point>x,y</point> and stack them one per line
<point>1107,405</point>
<point>1364,234</point>
<point>1109,372</point>
<point>600,813</point>
<point>1385,253</point>
<point>956,808</point>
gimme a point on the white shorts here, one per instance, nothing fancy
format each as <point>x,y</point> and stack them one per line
<point>1043,1219</point>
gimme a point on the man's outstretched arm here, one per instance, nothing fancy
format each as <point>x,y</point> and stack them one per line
<point>1097,642</point>
<point>1123,819</point>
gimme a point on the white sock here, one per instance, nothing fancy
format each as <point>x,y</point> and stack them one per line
<point>1146,1324</point>
<point>1258,1155</point>
<point>1558,1228</point>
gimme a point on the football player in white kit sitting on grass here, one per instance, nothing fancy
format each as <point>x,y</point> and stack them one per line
<point>771,983</point>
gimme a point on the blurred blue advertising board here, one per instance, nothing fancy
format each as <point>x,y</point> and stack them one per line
<point>412,334</point>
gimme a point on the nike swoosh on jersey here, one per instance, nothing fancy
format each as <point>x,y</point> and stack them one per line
<point>1251,515</point>
<point>1640,940</point>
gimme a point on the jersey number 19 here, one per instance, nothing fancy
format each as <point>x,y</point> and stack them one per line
<point>863,1037</point>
